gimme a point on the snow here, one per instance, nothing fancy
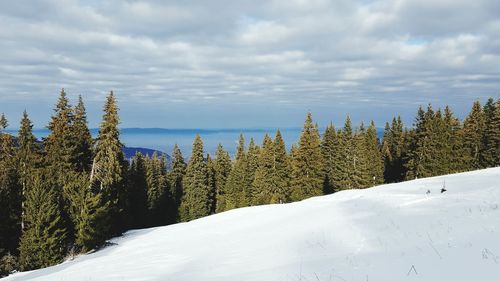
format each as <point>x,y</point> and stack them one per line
<point>389,232</point>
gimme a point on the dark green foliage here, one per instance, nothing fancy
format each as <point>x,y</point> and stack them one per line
<point>108,167</point>
<point>157,190</point>
<point>212,187</point>
<point>490,144</point>
<point>60,144</point>
<point>43,235</point>
<point>10,194</point>
<point>264,184</point>
<point>83,138</point>
<point>87,211</point>
<point>308,173</point>
<point>474,125</point>
<point>195,200</point>
<point>393,151</point>
<point>343,169</point>
<point>8,263</point>
<point>251,164</point>
<point>375,164</point>
<point>281,171</point>
<point>137,193</point>
<point>222,169</point>
<point>236,180</point>
<point>330,151</point>
<point>175,177</point>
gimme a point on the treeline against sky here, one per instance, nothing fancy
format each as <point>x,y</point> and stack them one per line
<point>69,193</point>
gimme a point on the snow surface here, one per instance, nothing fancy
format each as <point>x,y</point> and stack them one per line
<point>389,232</point>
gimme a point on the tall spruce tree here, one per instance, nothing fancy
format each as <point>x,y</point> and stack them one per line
<point>281,171</point>
<point>42,240</point>
<point>360,176</point>
<point>10,194</point>
<point>307,173</point>
<point>83,139</point>
<point>474,125</point>
<point>236,179</point>
<point>137,193</point>
<point>393,150</point>
<point>375,161</point>
<point>108,167</point>
<point>344,165</point>
<point>195,201</point>
<point>88,213</point>
<point>251,164</point>
<point>264,184</point>
<point>222,168</point>
<point>490,144</point>
<point>175,177</point>
<point>157,190</point>
<point>212,198</point>
<point>28,156</point>
<point>329,149</point>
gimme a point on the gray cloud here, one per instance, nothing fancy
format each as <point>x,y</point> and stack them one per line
<point>248,63</point>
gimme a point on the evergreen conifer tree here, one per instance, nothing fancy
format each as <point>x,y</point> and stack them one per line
<point>42,240</point>
<point>195,201</point>
<point>474,126</point>
<point>83,138</point>
<point>490,143</point>
<point>175,177</point>
<point>236,179</point>
<point>375,161</point>
<point>307,173</point>
<point>10,194</point>
<point>222,169</point>
<point>329,149</point>
<point>137,193</point>
<point>157,190</point>
<point>282,171</point>
<point>251,164</point>
<point>264,184</point>
<point>108,167</point>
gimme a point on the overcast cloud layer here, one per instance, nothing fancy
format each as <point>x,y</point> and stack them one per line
<point>248,63</point>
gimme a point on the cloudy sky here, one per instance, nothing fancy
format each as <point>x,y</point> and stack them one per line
<point>226,63</point>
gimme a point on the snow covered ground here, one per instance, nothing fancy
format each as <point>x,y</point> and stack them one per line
<point>390,232</point>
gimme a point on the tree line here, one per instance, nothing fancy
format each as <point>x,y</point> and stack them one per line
<point>69,193</point>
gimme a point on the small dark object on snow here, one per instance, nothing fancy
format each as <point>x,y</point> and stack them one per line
<point>428,191</point>
<point>443,190</point>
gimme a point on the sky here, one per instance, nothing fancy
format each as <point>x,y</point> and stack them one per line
<point>248,63</point>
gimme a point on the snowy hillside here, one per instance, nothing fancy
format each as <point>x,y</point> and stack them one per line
<point>390,232</point>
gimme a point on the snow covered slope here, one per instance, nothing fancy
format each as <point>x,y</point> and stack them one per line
<point>390,232</point>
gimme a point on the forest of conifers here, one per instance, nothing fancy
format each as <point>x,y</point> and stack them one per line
<point>69,193</point>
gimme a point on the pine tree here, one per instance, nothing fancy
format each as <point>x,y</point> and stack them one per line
<point>490,144</point>
<point>264,184</point>
<point>452,143</point>
<point>88,213</point>
<point>375,161</point>
<point>236,179</point>
<point>329,150</point>
<point>42,239</point>
<point>137,193</point>
<point>251,164</point>
<point>307,173</point>
<point>108,167</point>
<point>393,150</point>
<point>222,168</point>
<point>83,138</point>
<point>28,156</point>
<point>60,144</point>
<point>157,190</point>
<point>360,176</point>
<point>342,177</point>
<point>474,126</point>
<point>10,194</point>
<point>195,201</point>
<point>212,188</point>
<point>282,170</point>
<point>175,177</point>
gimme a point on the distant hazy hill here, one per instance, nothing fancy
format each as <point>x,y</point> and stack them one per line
<point>131,151</point>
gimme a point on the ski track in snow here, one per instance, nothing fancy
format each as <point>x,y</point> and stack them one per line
<point>389,232</point>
